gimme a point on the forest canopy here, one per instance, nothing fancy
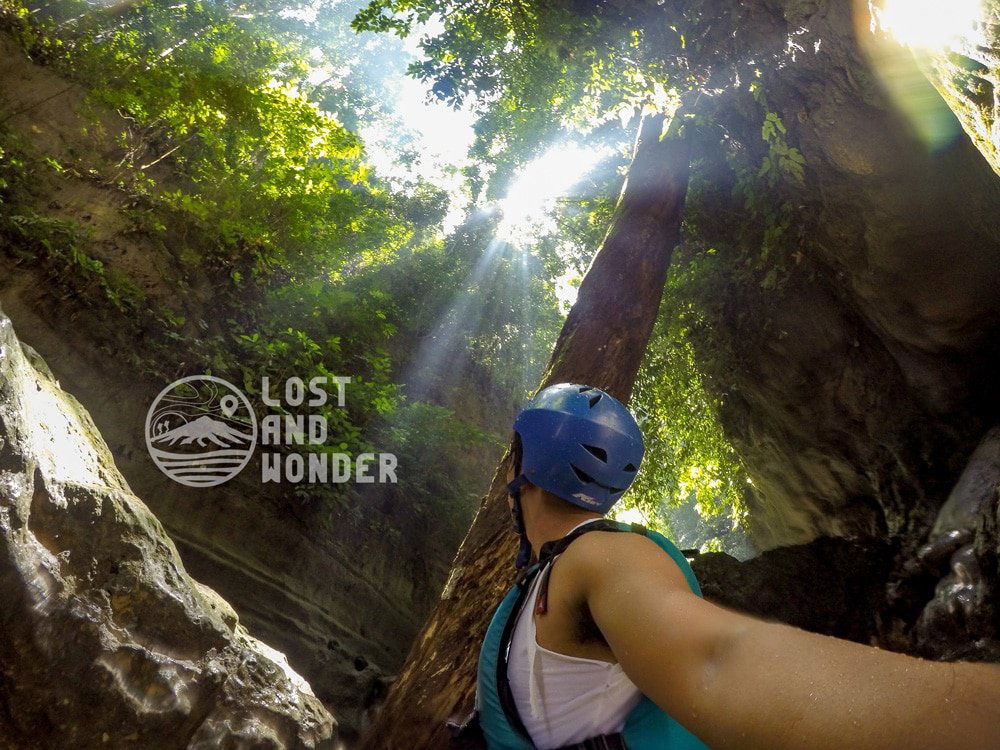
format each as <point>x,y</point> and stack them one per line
<point>248,125</point>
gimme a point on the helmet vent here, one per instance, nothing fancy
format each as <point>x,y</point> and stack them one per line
<point>597,452</point>
<point>585,388</point>
<point>587,479</point>
<point>594,399</point>
<point>630,467</point>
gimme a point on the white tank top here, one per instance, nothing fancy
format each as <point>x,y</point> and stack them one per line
<point>564,699</point>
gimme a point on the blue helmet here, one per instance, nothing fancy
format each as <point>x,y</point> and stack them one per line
<point>580,444</point>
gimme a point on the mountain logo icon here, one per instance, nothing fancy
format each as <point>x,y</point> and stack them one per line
<point>201,431</point>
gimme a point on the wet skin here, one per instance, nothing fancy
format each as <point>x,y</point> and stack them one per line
<point>740,682</point>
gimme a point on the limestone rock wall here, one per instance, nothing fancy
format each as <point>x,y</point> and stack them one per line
<point>104,637</point>
<point>339,600</point>
<point>857,389</point>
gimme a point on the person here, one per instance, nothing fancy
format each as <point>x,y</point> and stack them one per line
<point>605,642</point>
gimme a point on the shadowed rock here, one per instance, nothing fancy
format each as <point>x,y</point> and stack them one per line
<point>104,638</point>
<point>830,586</point>
<point>960,620</point>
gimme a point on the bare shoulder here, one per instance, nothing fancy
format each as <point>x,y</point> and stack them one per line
<point>622,556</point>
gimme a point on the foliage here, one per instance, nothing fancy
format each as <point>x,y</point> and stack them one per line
<point>272,175</point>
<point>30,235</point>
<point>687,451</point>
<point>537,70</point>
<point>317,267</point>
<point>533,70</point>
<point>246,120</point>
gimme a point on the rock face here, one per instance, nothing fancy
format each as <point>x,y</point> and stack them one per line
<point>104,638</point>
<point>830,586</point>
<point>857,389</point>
<point>344,619</point>
<point>961,618</point>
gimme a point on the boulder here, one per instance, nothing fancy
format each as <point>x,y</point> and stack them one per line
<point>830,585</point>
<point>104,638</point>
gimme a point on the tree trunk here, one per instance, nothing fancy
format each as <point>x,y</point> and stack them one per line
<point>602,343</point>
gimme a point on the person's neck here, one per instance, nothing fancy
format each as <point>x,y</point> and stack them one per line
<point>547,527</point>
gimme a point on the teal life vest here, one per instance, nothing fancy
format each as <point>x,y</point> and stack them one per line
<point>647,727</point>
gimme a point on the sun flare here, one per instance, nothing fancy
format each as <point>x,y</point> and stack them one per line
<point>929,24</point>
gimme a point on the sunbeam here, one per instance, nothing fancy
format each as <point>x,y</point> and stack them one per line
<point>526,213</point>
<point>438,361</point>
<point>889,38</point>
<point>530,197</point>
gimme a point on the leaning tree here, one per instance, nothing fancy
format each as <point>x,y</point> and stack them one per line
<point>601,343</point>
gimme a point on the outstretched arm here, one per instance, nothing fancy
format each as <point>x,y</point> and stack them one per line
<point>739,682</point>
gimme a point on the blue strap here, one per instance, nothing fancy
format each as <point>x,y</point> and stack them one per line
<point>647,727</point>
<point>494,713</point>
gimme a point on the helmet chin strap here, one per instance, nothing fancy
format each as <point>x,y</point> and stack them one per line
<point>524,550</point>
